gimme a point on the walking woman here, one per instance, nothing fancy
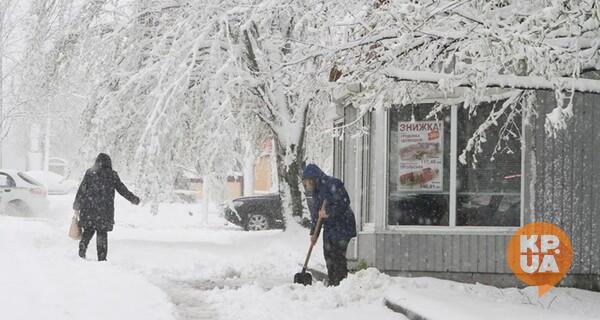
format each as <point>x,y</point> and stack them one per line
<point>95,204</point>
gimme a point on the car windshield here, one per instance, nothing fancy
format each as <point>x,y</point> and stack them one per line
<point>29,179</point>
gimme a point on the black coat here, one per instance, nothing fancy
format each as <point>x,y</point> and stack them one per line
<point>341,224</point>
<point>95,197</point>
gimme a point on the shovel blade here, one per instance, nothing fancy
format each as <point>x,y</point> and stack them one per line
<point>303,278</point>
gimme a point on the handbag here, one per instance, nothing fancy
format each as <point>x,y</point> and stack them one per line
<point>75,229</point>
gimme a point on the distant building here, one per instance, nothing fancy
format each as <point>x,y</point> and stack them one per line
<point>263,177</point>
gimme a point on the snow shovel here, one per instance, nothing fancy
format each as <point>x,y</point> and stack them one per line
<point>304,277</point>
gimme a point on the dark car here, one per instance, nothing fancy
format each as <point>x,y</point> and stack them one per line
<point>260,212</point>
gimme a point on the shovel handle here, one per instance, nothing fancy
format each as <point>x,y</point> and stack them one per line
<point>316,236</point>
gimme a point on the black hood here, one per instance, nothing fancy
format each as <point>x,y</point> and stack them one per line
<point>312,171</point>
<point>103,162</point>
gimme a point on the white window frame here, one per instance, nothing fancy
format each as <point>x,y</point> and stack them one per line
<point>339,123</point>
<point>452,228</point>
<point>366,167</point>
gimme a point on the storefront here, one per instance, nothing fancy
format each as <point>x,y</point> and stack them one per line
<point>425,208</point>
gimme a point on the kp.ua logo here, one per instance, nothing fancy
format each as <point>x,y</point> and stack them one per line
<point>540,254</point>
<point>547,250</point>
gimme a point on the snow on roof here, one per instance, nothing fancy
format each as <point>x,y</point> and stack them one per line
<point>502,81</point>
<point>10,171</point>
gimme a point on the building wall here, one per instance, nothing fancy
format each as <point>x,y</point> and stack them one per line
<point>567,178</point>
<point>233,189</point>
<point>262,175</point>
<point>444,252</point>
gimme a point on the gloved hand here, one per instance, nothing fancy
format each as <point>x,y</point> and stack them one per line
<point>136,201</point>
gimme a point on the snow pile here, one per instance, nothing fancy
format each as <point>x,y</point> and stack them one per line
<point>358,297</point>
<point>41,277</point>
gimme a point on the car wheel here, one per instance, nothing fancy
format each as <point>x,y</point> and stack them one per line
<point>17,209</point>
<point>257,222</point>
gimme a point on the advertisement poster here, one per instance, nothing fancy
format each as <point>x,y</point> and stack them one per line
<point>421,147</point>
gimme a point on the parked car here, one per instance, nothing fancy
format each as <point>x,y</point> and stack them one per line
<point>255,213</point>
<point>54,182</point>
<point>20,194</point>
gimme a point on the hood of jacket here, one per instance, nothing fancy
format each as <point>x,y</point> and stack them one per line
<point>312,171</point>
<point>103,162</point>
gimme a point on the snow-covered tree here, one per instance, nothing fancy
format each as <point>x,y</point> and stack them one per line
<point>53,84</point>
<point>197,83</point>
<point>7,30</point>
<point>273,37</point>
<point>12,25</point>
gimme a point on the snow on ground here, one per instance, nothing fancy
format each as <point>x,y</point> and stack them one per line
<point>42,278</point>
<point>177,266</point>
<point>359,297</point>
<point>199,265</point>
<point>454,300</point>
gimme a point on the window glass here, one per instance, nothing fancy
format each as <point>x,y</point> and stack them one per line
<point>488,188</point>
<point>419,166</point>
<point>6,181</point>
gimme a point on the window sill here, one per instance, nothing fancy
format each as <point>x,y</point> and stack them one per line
<point>450,230</point>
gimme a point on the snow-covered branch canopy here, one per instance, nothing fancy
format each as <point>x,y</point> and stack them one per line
<point>531,44</point>
<point>403,52</point>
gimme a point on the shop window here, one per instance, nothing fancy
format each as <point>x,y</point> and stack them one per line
<point>487,188</point>
<point>419,166</point>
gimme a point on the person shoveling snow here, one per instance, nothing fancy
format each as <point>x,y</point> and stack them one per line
<point>331,204</point>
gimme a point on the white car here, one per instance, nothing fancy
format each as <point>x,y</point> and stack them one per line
<point>21,195</point>
<point>54,182</point>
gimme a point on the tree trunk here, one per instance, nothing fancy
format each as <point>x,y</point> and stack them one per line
<point>290,162</point>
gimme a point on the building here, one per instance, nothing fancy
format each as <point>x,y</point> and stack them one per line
<point>261,179</point>
<point>446,219</point>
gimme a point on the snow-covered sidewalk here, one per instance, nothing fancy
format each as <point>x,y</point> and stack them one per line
<point>176,266</point>
<point>437,299</point>
<point>41,277</point>
<point>170,266</point>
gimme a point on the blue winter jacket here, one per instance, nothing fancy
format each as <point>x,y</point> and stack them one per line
<point>340,225</point>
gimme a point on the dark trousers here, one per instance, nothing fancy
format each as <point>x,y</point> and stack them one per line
<point>335,259</point>
<point>101,242</point>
